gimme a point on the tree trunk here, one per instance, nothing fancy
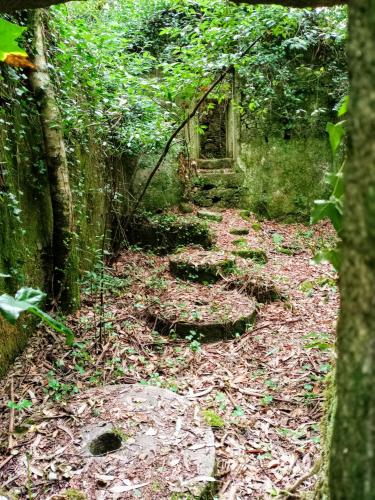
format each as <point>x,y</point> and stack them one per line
<point>12,5</point>
<point>61,196</point>
<point>352,459</point>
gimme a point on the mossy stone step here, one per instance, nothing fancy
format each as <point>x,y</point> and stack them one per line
<point>211,196</point>
<point>215,163</point>
<point>214,216</point>
<point>165,233</point>
<point>289,249</point>
<point>239,231</point>
<point>253,283</point>
<point>202,266</point>
<point>207,314</point>
<point>225,178</point>
<point>255,254</point>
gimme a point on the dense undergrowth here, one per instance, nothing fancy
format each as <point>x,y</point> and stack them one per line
<point>141,64</point>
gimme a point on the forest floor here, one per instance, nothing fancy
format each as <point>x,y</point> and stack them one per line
<point>266,386</point>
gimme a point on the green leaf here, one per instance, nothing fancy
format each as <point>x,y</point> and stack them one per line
<point>333,256</point>
<point>10,308</point>
<point>343,109</point>
<point>27,299</point>
<point>328,209</point>
<point>9,33</point>
<point>24,403</point>
<point>238,412</point>
<point>31,295</point>
<point>336,132</point>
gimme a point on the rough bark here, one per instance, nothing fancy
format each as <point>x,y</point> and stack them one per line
<point>61,196</point>
<point>352,459</point>
<point>295,3</point>
<point>12,5</point>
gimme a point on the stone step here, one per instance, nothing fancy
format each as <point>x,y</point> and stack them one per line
<point>215,163</point>
<point>225,178</point>
<point>216,171</point>
<point>202,266</point>
<point>212,314</point>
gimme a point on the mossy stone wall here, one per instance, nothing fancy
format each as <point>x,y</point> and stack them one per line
<point>25,204</point>
<point>26,218</point>
<point>284,177</point>
<point>165,189</point>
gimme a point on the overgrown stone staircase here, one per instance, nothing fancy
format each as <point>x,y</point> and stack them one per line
<point>217,183</point>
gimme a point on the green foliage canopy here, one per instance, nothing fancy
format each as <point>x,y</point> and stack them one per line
<point>141,65</point>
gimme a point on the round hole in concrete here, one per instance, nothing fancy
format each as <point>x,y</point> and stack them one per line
<point>105,443</point>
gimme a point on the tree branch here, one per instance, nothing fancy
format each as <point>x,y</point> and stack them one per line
<point>12,5</point>
<point>183,124</point>
<point>295,3</point>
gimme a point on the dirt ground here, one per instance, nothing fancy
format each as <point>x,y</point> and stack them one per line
<point>263,390</point>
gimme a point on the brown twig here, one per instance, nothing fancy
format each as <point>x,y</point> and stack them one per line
<point>288,492</point>
<point>11,418</point>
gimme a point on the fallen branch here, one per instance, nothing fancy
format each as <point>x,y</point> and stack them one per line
<point>11,418</point>
<point>183,124</point>
<point>288,492</point>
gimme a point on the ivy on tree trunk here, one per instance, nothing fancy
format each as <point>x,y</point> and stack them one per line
<point>58,172</point>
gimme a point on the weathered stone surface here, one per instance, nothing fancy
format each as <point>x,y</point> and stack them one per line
<point>255,284</point>
<point>215,163</point>
<point>164,233</point>
<point>255,254</point>
<point>289,249</point>
<point>211,196</point>
<point>214,216</point>
<point>211,314</point>
<point>202,266</point>
<point>239,231</point>
<point>164,448</point>
<point>224,178</point>
<point>217,187</point>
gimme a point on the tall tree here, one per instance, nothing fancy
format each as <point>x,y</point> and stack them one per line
<point>58,172</point>
<point>12,5</point>
<point>352,463</point>
<point>352,454</point>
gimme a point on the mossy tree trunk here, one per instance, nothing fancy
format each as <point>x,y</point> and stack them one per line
<point>61,195</point>
<point>352,457</point>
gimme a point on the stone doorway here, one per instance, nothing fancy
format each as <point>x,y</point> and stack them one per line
<point>213,124</point>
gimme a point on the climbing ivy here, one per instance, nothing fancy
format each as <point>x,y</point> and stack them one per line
<point>140,66</point>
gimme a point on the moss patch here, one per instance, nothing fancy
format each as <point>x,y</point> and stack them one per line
<point>255,254</point>
<point>201,266</point>
<point>167,232</point>
<point>239,231</point>
<point>209,313</point>
<point>209,216</point>
<point>282,178</point>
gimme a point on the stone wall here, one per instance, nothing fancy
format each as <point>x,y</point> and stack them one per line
<point>273,168</point>
<point>282,178</point>
<point>26,216</point>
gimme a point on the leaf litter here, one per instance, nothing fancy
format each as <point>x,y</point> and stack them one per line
<point>267,386</point>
